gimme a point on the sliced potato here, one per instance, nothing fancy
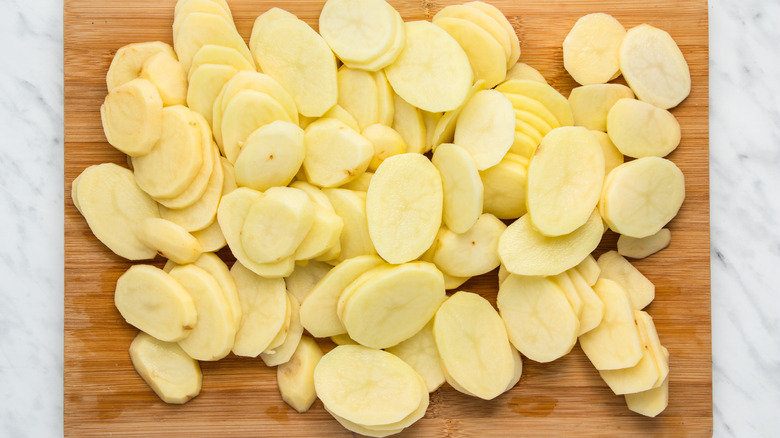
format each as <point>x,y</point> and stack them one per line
<point>590,104</point>
<point>206,82</point>
<point>592,307</point>
<point>589,269</point>
<point>386,141</point>
<point>590,49</point>
<point>408,122</point>
<point>284,352</point>
<point>132,117</point>
<point>640,248</point>
<point>198,29</point>
<point>350,205</point>
<point>212,264</point>
<point>169,239</point>
<point>485,54</point>
<point>485,128</point>
<point>505,188</point>
<point>263,308</point>
<point>167,74</point>
<point>212,54</point>
<point>335,154</point>
<point>461,186</point>
<point>547,95</point>
<point>496,14</point>
<point>613,266</point>
<point>129,60</point>
<point>639,129</point>
<point>295,377</point>
<point>421,353</point>
<point>481,19</point>
<point>270,156</point>
<point>612,156</point>
<point>522,70</point>
<point>357,93</point>
<point>305,277</point>
<point>172,374</point>
<point>247,111</point>
<point>444,129</point>
<point>473,252</point>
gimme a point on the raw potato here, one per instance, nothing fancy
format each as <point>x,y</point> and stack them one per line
<point>652,402</point>
<point>291,52</point>
<point>167,74</point>
<point>564,282</point>
<point>590,50</point>
<point>444,131</point>
<point>654,66</point>
<point>481,19</point>
<point>485,54</point>
<point>170,240</point>
<point>473,346</point>
<point>592,307</point>
<point>565,177</point>
<point>522,70</point>
<point>389,304</point>
<point>547,95</point>
<point>525,251</point>
<point>185,7</point>
<point>350,205</point>
<point>404,207</point>
<point>199,29</point>
<point>432,72</point>
<point>613,266</point>
<point>335,153</point>
<point>612,156</point>
<point>496,14</point>
<point>113,206</point>
<point>590,104</point>
<point>358,95</point>
<point>472,253</point>
<point>264,306</point>
<point>421,353</point>
<point>156,303</point>
<point>247,111</point>
<point>129,60</point>
<point>505,187</point>
<point>639,129</point>
<point>132,117</point>
<point>386,99</point>
<point>305,277</point>
<point>212,264</point>
<point>212,54</point>
<point>640,248</point>
<point>539,320</point>
<point>461,186</point>
<point>295,377</point>
<point>282,353</point>
<point>205,84</point>
<point>387,142</point>
<point>166,368</point>
<point>589,269</point>
<point>485,128</point>
<point>408,122</point>
<point>270,156</point>
<point>648,331</point>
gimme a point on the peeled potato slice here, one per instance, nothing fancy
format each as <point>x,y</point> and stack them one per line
<point>270,156</point>
<point>263,305</point>
<point>212,264</point>
<point>335,154</point>
<point>612,156</point>
<point>386,141</point>
<point>613,266</point>
<point>547,95</point>
<point>291,52</point>
<point>323,236</point>
<point>473,345</point>
<point>590,50</point>
<point>638,378</point>
<point>247,111</point>
<point>350,205</point>
<point>387,305</point>
<point>404,207</point>
<point>496,14</point>
<point>461,185</point>
<point>473,252</point>
<point>643,196</point>
<point>639,129</point>
<point>305,277</point>
<point>210,238</point>
<point>295,377</point>
<point>521,70</point>
<point>212,54</point>
<point>199,29</point>
<point>592,307</point>
<point>659,353</point>
<point>432,72</point>
<point>444,129</point>
<point>486,56</point>
<point>284,352</point>
<point>408,122</point>
<point>129,60</point>
<point>345,380</point>
<point>654,66</point>
<point>167,74</point>
<point>481,19</point>
<point>649,403</point>
<point>564,282</point>
<point>421,353</point>
<point>206,82</point>
<point>357,93</point>
<point>170,240</point>
<point>591,103</point>
<point>525,251</point>
<point>132,117</point>
<point>640,248</point>
<point>186,7</point>
<point>486,127</point>
<point>173,375</point>
<point>156,303</point>
<point>505,188</point>
<point>589,269</point>
<point>565,177</point>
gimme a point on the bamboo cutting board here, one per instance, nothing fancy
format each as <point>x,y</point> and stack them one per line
<point>104,395</point>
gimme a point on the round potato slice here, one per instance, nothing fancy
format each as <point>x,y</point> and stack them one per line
<point>481,19</point>
<point>212,264</point>
<point>205,84</point>
<point>432,72</point>
<point>270,156</point>
<point>461,185</point>
<point>408,121</point>
<point>644,247</point>
<point>612,156</point>
<point>505,188</point>
<point>166,73</point>
<point>486,56</point>
<point>421,353</point>
<point>387,142</point>
<point>544,93</point>
<point>565,177</point>
<point>444,130</point>
<point>169,239</point>
<point>132,117</point>
<point>639,129</point>
<point>486,128</point>
<point>247,111</point>
<point>335,154</point>
<point>521,70</point>
<point>358,95</point>
<point>591,103</point>
<point>282,353</point>
<point>473,345</point>
<point>212,54</point>
<point>404,207</point>
<point>590,50</point>
<point>172,374</point>
<point>263,310</point>
<point>305,277</point>
<point>496,14</point>
<point>389,304</point>
<point>473,252</point>
<point>186,7</point>
<point>350,205</point>
<point>129,60</point>
<point>359,31</point>
<point>154,302</point>
<point>199,29</point>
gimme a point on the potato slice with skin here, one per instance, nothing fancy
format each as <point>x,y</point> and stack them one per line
<point>643,196</point>
<point>212,54</point>
<point>444,131</point>
<point>357,93</point>
<point>154,302</point>
<point>263,305</point>
<point>461,185</point>
<point>335,154</point>
<point>590,50</point>
<point>639,129</point>
<point>473,345</point>
<point>169,239</point>
<point>203,212</point>
<point>247,111</point>
<point>539,319</point>
<point>654,67</point>
<point>212,338</point>
<point>592,307</point>
<point>295,377</point>
<point>615,267</point>
<point>389,304</point>
<point>404,207</point>
<point>172,374</point>
<point>486,56</point>
<point>432,72</point>
<point>522,70</point>
<point>547,95</point>
<point>305,277</point>
<point>282,353</point>
<point>615,343</point>
<point>421,353</point>
<point>640,248</point>
<point>206,82</point>
<point>485,128</point>
<point>386,141</point>
<point>525,251</point>
<point>612,156</point>
<point>291,52</point>
<point>640,377</point>
<point>166,73</point>
<point>344,380</point>
<point>132,117</point>
<point>129,60</point>
<point>270,156</point>
<point>565,177</point>
<point>408,122</point>
<point>496,14</point>
<point>350,205</point>
<point>471,253</point>
<point>199,29</point>
<point>505,188</point>
<point>591,103</point>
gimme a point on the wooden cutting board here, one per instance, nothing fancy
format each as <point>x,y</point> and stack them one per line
<point>104,395</point>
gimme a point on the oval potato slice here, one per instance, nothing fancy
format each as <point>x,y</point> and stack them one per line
<point>172,374</point>
<point>486,127</point>
<point>421,353</point>
<point>485,54</point>
<point>505,188</point>
<point>472,253</point>
<point>132,117</point>
<point>350,205</point>
<point>639,129</point>
<point>247,111</point>
<point>169,239</point>
<point>461,186</point>
<point>270,156</point>
<point>167,74</point>
<point>640,248</point>
<point>591,103</point>
<point>263,310</point>
<point>295,377</point>
<point>129,60</point>
<point>199,29</point>
<point>590,49</point>
<point>335,153</point>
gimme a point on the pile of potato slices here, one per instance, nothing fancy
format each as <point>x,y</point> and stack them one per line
<point>360,175</point>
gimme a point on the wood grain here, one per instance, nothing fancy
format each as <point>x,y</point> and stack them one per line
<point>104,395</point>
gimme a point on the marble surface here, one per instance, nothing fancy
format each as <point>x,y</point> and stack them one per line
<point>745,205</point>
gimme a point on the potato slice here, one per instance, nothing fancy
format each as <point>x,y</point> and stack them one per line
<point>350,205</point>
<point>291,52</point>
<point>173,375</point>
<point>212,54</point>
<point>212,264</point>
<point>612,156</point>
<point>335,154</point>
<point>565,177</point>
<point>649,403</point>
<point>431,121</point>
<point>485,54</point>
<point>156,303</point>
<point>564,282</point>
<point>295,377</point>
<point>389,55</point>
<point>113,206</point>
<point>199,29</point>
<point>386,141</point>
<point>323,236</point>
<point>521,70</point>
<point>533,106</point>
<point>639,129</point>
<point>592,307</point>
<point>421,353</point>
<point>282,353</point>
<point>481,19</point>
<point>659,353</point>
<point>206,82</point>
<point>589,269</point>
<point>167,74</point>
<point>539,320</point>
<point>357,93</point>
<point>186,7</point>
<point>536,122</point>
<point>212,338</point>
<point>505,188</point>
<point>404,207</point>
<point>408,122</point>
<point>182,6</point>
<point>444,130</point>
<point>270,156</point>
<point>547,95</point>
<point>473,346</point>
<point>263,309</point>
<point>471,253</point>
<point>169,239</point>
<point>247,111</point>
<point>590,49</point>
<point>590,104</point>
<point>129,60</point>
<point>526,251</point>
<point>496,14</point>
<point>643,196</point>
<point>654,67</point>
<point>386,99</point>
<point>485,128</point>
<point>210,238</point>
<point>387,305</point>
<point>640,248</point>
<point>432,72</point>
<point>461,186</point>
<point>132,117</point>
<point>305,277</point>
<point>615,343</point>
<point>345,382</point>
<point>613,266</point>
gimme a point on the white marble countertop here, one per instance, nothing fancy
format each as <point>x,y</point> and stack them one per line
<point>745,207</point>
